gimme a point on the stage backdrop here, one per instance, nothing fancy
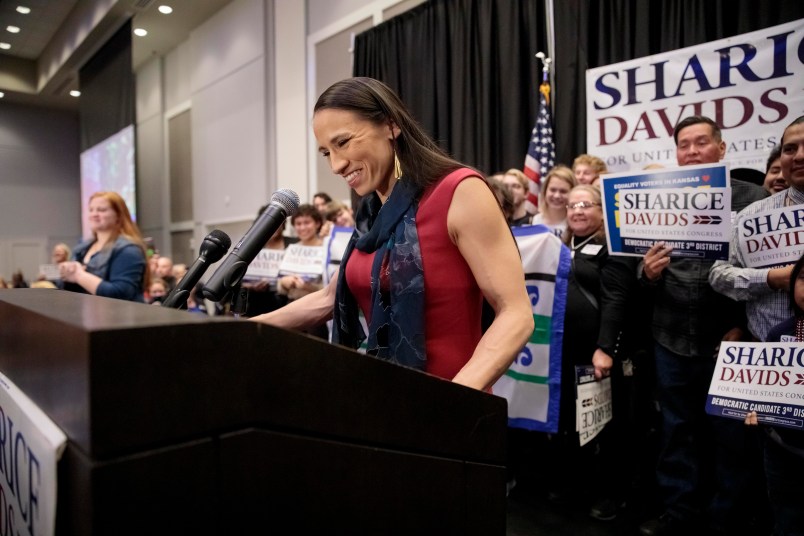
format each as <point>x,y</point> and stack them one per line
<point>752,85</point>
<point>466,70</point>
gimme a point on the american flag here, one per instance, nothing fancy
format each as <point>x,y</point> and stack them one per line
<point>541,150</point>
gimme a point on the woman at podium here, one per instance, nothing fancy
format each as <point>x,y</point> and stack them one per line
<point>431,242</point>
<point>111,263</point>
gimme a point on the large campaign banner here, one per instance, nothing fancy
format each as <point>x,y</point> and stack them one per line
<point>764,377</point>
<point>752,85</point>
<point>688,208</point>
<point>532,384</point>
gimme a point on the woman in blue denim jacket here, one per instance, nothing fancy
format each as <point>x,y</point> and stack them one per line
<point>112,263</point>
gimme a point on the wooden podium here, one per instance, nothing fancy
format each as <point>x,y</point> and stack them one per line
<point>182,424</point>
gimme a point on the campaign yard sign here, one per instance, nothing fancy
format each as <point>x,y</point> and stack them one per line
<point>30,448</point>
<point>688,208</point>
<point>305,261</point>
<point>772,238</point>
<point>265,265</point>
<point>764,377</point>
<point>593,405</point>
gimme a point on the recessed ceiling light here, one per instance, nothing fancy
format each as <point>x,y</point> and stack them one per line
<point>13,29</point>
<point>140,32</point>
<point>5,46</point>
<point>167,10</point>
<point>75,93</point>
<point>23,9</point>
<point>2,94</point>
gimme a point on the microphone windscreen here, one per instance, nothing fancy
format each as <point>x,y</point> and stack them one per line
<point>214,246</point>
<point>221,237</point>
<point>287,199</point>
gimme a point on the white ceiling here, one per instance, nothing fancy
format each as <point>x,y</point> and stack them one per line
<point>39,27</point>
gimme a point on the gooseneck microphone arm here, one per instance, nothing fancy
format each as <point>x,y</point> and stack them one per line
<point>213,248</point>
<point>227,277</point>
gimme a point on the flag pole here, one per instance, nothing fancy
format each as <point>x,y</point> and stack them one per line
<point>541,149</point>
<point>545,85</point>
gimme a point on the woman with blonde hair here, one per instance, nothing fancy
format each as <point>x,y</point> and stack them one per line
<point>553,200</point>
<point>111,263</point>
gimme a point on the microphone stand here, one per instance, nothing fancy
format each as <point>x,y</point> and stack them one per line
<point>239,300</point>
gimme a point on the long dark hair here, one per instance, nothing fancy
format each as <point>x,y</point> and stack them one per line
<point>423,162</point>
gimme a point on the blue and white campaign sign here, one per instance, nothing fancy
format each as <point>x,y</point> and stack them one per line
<point>752,85</point>
<point>688,208</point>
<point>532,384</point>
<point>336,245</point>
<point>265,265</point>
<point>30,448</point>
<point>772,238</point>
<point>306,262</point>
<point>766,377</point>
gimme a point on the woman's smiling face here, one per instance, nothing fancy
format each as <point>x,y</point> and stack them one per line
<point>584,215</point>
<point>358,150</point>
<point>102,216</point>
<point>557,193</point>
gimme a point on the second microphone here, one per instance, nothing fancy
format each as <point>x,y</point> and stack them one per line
<point>284,203</point>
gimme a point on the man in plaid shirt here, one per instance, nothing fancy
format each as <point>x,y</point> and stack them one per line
<point>689,321</point>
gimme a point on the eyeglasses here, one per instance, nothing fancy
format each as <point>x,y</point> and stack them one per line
<point>582,205</point>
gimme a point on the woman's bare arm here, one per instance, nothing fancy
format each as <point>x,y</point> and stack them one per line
<point>308,311</point>
<point>478,229</point>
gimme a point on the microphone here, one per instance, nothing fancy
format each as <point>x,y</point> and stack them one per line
<point>213,248</point>
<point>284,203</point>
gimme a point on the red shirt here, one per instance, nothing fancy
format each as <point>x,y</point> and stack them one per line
<point>452,299</point>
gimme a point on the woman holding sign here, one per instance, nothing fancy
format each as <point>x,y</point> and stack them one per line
<point>431,243</point>
<point>598,293</point>
<point>307,222</point>
<point>302,268</point>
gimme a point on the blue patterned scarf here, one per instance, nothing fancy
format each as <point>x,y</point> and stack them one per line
<point>396,331</point>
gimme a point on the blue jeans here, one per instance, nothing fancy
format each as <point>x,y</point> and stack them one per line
<point>702,466</point>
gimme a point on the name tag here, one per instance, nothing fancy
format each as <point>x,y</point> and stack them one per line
<point>591,249</point>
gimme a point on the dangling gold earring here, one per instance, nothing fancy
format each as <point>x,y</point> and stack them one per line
<point>397,166</point>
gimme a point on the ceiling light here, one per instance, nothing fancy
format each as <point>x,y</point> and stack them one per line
<point>75,93</point>
<point>167,10</point>
<point>5,46</point>
<point>2,94</point>
<point>13,29</point>
<point>140,32</point>
<point>24,10</point>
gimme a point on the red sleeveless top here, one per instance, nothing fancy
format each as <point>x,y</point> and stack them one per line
<point>452,299</point>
